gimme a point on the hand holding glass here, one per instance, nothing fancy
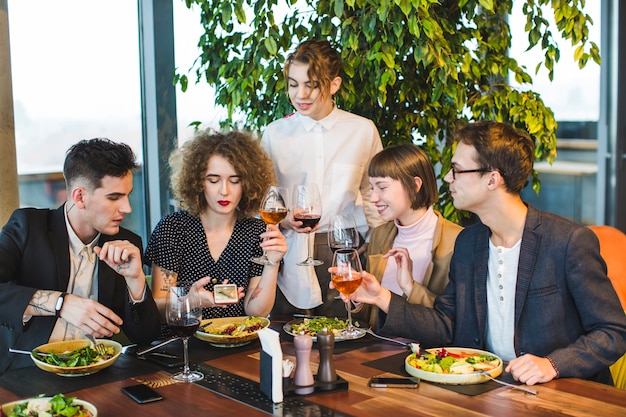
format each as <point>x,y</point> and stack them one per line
<point>183,314</point>
<point>273,210</point>
<point>307,208</point>
<point>346,276</point>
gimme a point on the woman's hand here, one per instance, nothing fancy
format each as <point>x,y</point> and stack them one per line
<point>207,299</point>
<point>405,268</point>
<point>274,243</point>
<point>290,223</point>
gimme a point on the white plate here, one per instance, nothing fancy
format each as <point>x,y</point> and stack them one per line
<point>220,340</point>
<point>454,379</point>
<point>6,408</point>
<point>338,337</point>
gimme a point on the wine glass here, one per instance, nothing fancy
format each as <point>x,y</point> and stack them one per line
<point>183,314</point>
<point>273,210</point>
<point>342,232</point>
<point>307,208</point>
<point>346,276</point>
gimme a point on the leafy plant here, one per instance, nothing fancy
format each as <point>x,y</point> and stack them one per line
<point>417,68</point>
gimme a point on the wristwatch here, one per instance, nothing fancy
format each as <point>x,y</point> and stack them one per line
<point>59,304</point>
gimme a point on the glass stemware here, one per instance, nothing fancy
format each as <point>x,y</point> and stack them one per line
<point>183,315</point>
<point>273,210</point>
<point>346,276</point>
<point>343,233</point>
<point>307,208</point>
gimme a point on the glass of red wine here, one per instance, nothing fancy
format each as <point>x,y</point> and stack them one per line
<point>307,208</point>
<point>183,314</point>
<point>273,210</point>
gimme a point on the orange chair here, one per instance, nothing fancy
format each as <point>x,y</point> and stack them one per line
<point>612,244</point>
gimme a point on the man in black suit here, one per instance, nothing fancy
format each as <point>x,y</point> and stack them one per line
<point>74,270</point>
<point>525,284</point>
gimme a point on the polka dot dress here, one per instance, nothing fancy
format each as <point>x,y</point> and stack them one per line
<point>178,243</point>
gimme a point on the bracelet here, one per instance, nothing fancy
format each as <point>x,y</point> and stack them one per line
<point>59,304</point>
<point>553,367</point>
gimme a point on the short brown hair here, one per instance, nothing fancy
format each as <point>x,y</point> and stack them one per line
<point>324,63</point>
<point>403,163</point>
<point>250,161</point>
<point>503,148</point>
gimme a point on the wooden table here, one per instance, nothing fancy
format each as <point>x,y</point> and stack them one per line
<point>570,397</point>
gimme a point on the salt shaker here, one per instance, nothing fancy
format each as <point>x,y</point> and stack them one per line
<point>326,345</point>
<point>303,376</point>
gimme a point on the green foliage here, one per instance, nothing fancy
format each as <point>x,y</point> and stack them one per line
<point>417,68</point>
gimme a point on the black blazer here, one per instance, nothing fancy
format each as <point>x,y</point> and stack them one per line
<point>34,255</point>
<point>565,305</point>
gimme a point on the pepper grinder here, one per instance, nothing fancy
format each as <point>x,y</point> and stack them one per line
<point>326,345</point>
<point>303,376</point>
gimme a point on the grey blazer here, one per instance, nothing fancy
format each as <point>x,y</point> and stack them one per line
<point>565,305</point>
<point>34,254</point>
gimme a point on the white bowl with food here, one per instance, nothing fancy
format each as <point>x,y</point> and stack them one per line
<point>454,365</point>
<point>75,357</point>
<point>56,406</point>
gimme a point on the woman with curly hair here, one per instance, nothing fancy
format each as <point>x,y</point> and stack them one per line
<point>218,181</point>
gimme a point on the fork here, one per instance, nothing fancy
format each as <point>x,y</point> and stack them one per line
<point>98,347</point>
<point>370,331</point>
<point>506,384</point>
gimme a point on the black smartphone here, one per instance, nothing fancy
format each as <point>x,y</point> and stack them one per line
<point>394,382</point>
<point>142,393</point>
<point>163,358</point>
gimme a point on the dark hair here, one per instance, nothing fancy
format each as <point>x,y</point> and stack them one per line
<point>403,163</point>
<point>250,161</point>
<point>324,63</point>
<point>502,148</point>
<point>93,159</point>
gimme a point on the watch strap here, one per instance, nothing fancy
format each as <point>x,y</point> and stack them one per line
<point>59,304</point>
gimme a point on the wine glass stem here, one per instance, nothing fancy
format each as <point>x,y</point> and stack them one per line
<point>185,356</point>
<point>308,247</point>
<point>349,308</point>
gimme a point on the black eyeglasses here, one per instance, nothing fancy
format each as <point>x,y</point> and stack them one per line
<point>466,171</point>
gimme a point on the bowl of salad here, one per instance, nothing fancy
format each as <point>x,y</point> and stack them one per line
<point>75,357</point>
<point>231,331</point>
<point>56,406</point>
<point>454,365</point>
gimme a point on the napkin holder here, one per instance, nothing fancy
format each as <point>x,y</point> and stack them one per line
<point>271,376</point>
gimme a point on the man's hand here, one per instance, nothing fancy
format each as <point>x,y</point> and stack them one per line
<point>530,369</point>
<point>125,259</point>
<point>370,292</point>
<point>90,316</point>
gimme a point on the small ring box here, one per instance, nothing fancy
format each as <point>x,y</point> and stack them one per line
<point>225,294</point>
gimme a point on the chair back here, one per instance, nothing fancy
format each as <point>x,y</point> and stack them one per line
<point>612,249</point>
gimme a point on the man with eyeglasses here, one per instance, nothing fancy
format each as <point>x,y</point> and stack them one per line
<point>526,285</point>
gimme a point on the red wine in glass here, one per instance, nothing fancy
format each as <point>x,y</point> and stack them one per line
<point>308,219</point>
<point>184,327</point>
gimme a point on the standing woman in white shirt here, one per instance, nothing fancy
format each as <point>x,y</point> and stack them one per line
<point>410,253</point>
<point>321,144</point>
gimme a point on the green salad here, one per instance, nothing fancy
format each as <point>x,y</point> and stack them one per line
<point>79,357</point>
<point>313,326</point>
<point>57,406</point>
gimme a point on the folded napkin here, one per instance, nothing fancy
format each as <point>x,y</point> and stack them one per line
<point>271,374</point>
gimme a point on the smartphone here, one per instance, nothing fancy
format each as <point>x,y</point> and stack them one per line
<point>394,382</point>
<point>142,393</point>
<point>225,294</point>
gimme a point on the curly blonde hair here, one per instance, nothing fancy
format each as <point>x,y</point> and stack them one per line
<point>189,163</point>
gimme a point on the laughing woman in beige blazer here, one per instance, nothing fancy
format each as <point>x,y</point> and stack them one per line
<point>410,253</point>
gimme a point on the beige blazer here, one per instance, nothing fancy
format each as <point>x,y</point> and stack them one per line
<point>435,277</point>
